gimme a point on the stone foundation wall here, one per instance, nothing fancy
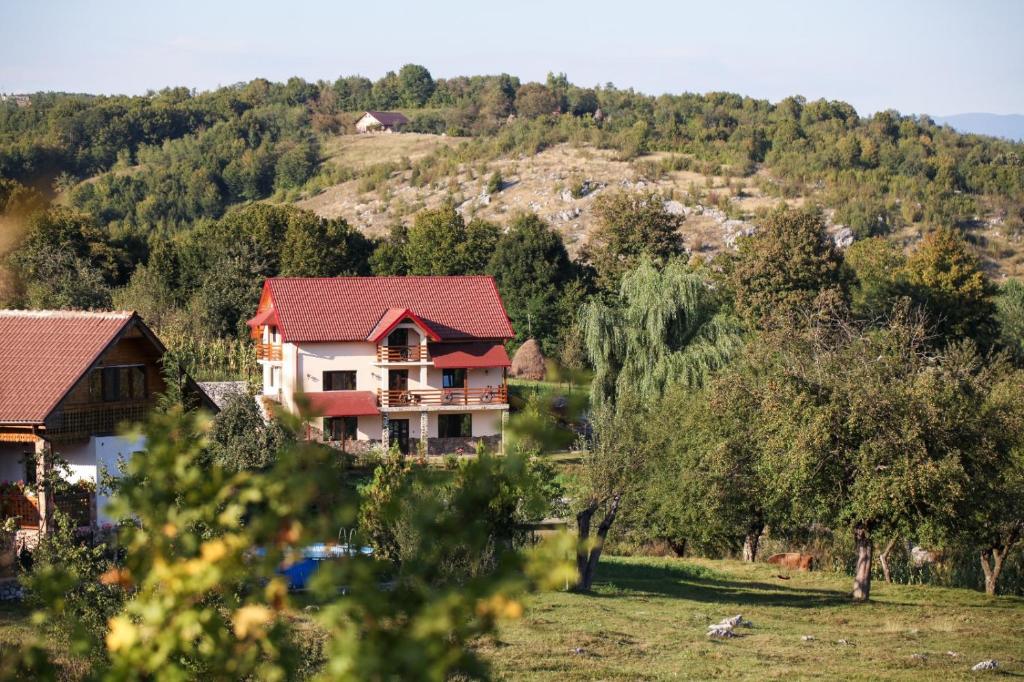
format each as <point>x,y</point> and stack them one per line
<point>447,446</point>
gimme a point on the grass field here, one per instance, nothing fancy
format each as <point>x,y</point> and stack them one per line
<point>647,619</point>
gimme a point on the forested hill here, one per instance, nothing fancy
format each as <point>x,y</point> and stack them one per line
<point>130,198</point>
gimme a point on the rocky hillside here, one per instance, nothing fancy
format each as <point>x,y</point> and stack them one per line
<point>561,183</point>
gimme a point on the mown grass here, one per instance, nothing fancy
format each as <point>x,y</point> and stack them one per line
<point>647,619</point>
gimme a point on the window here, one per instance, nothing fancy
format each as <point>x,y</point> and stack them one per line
<point>340,428</point>
<point>453,378</point>
<point>454,425</point>
<point>273,335</point>
<point>275,376</point>
<point>399,337</point>
<point>114,384</point>
<point>344,380</point>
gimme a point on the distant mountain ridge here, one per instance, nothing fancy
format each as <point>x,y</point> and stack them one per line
<point>1009,126</point>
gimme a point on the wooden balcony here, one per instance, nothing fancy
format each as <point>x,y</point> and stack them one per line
<point>402,354</point>
<point>490,395</point>
<point>81,421</point>
<point>268,351</point>
<point>77,502</point>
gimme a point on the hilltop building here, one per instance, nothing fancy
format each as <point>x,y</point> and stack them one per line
<point>381,121</point>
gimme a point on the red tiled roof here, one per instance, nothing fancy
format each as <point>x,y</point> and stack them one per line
<point>392,318</point>
<point>43,354</point>
<point>388,118</point>
<point>474,354</point>
<point>262,317</point>
<point>348,308</point>
<point>342,403</point>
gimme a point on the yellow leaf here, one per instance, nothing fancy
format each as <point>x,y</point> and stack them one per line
<point>121,633</point>
<point>250,619</point>
<point>213,550</point>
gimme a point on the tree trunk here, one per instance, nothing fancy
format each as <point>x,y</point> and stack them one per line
<point>883,560</point>
<point>586,561</point>
<point>992,559</point>
<point>751,541</point>
<point>678,546</point>
<point>862,574</point>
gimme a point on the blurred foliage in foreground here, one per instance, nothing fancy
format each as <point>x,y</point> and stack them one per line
<point>196,566</point>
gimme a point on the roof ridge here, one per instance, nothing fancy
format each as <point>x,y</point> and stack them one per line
<point>101,314</point>
<point>368,277</point>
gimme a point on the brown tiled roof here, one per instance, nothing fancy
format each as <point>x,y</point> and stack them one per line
<point>389,118</point>
<point>43,354</point>
<point>312,309</point>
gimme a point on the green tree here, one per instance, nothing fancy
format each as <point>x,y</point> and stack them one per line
<point>1010,316</point>
<point>389,255</point>
<point>779,271</point>
<point>664,328</point>
<point>534,99</point>
<point>415,85</point>
<point>630,226</point>
<point>241,439</point>
<point>440,243</point>
<point>317,247</point>
<point>531,268</point>
<point>296,164</point>
<point>947,281</point>
<point>877,269</point>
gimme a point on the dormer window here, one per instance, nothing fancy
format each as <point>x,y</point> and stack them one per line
<point>116,384</point>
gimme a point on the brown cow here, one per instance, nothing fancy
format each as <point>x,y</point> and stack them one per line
<point>793,560</point>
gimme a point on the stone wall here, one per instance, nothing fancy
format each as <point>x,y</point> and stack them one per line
<point>446,446</point>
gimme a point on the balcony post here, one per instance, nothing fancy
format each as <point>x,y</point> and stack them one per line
<point>44,498</point>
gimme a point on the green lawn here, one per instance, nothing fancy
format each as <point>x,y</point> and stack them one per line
<point>648,617</point>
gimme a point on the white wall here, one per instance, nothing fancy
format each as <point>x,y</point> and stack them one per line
<point>316,358</point>
<point>12,456</point>
<point>475,378</point>
<point>110,453</point>
<point>80,457</point>
<point>487,423</point>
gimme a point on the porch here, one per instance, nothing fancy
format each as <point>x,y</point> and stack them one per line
<point>78,501</point>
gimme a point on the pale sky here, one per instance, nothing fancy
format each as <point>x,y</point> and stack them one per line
<point>938,57</point>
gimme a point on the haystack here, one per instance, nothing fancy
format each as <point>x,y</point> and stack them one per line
<point>528,362</point>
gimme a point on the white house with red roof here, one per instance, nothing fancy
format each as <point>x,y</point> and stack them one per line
<point>68,381</point>
<point>401,360</point>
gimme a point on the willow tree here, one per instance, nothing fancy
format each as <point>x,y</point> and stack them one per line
<point>664,327</point>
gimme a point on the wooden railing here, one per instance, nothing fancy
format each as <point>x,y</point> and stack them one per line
<point>401,354</point>
<point>17,504</point>
<point>268,351</point>
<point>77,502</point>
<point>443,396</point>
<point>77,421</point>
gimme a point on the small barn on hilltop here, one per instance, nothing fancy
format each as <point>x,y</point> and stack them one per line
<point>528,362</point>
<point>381,121</point>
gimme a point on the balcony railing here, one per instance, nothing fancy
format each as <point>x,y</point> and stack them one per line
<point>402,354</point>
<point>488,395</point>
<point>268,351</point>
<point>82,421</point>
<point>77,502</point>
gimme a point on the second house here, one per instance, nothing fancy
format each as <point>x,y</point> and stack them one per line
<point>399,360</point>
